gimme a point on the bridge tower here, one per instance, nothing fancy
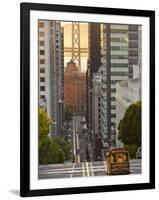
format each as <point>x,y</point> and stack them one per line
<point>76,57</point>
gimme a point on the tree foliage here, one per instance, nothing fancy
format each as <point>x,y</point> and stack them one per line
<point>51,150</point>
<point>64,146</point>
<point>44,123</point>
<point>132,150</point>
<point>54,150</point>
<point>130,126</point>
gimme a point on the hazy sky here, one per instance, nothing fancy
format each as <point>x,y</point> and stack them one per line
<point>83,42</point>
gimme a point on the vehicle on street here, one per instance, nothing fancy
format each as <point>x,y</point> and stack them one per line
<point>138,153</point>
<point>117,161</point>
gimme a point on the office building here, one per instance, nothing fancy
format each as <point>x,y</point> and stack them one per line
<point>120,53</point>
<point>74,89</point>
<point>51,90</point>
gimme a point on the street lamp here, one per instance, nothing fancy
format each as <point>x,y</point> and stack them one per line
<point>60,115</point>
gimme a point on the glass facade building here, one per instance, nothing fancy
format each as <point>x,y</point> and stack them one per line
<point>114,68</point>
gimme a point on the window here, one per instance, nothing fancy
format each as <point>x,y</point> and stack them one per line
<point>42,70</point>
<point>119,48</point>
<point>119,73</point>
<point>42,43</point>
<point>42,79</point>
<point>113,99</point>
<point>42,88</point>
<point>119,39</point>
<point>42,61</point>
<point>51,31</point>
<point>119,31</point>
<point>42,52</point>
<point>119,65</point>
<point>41,33</point>
<point>113,89</point>
<point>42,96</point>
<point>113,107</point>
<point>41,24</point>
<point>51,23</point>
<point>113,115</point>
<point>119,57</point>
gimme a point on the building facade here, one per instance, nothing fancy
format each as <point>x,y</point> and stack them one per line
<point>51,92</point>
<point>120,53</point>
<point>93,81</point>
<point>114,68</point>
<point>96,116</point>
<point>127,92</point>
<point>74,89</point>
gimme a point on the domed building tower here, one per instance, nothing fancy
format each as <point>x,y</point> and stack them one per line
<point>71,67</point>
<point>74,89</point>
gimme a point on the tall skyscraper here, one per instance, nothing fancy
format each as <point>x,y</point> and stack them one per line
<point>51,67</point>
<point>120,53</point>
<point>114,68</point>
<point>93,81</point>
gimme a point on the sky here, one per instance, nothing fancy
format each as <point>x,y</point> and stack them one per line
<point>83,42</point>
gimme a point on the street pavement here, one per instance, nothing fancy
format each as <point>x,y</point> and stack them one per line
<point>83,169</point>
<point>81,155</point>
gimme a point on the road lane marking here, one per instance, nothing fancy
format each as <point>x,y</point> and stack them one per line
<point>69,172</point>
<point>91,169</point>
<point>87,169</point>
<point>105,166</point>
<point>74,142</point>
<point>72,169</point>
<point>77,143</point>
<point>83,170</point>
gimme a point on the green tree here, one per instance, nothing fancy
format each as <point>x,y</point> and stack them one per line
<point>50,152</point>
<point>64,146</point>
<point>44,124</point>
<point>132,150</point>
<point>130,126</point>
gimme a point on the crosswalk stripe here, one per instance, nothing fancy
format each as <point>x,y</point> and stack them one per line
<point>91,169</point>
<point>83,171</point>
<point>72,170</point>
<point>87,168</point>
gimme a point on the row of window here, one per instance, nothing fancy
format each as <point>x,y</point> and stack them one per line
<point>119,57</point>
<point>119,73</point>
<point>119,65</point>
<point>119,31</point>
<point>119,39</point>
<point>119,48</point>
